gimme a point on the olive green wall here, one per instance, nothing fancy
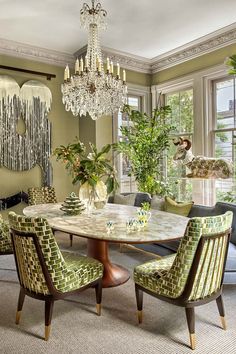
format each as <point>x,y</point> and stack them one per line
<point>202,62</point>
<point>136,78</point>
<point>64,128</point>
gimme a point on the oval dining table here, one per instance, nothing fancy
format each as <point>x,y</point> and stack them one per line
<point>161,227</point>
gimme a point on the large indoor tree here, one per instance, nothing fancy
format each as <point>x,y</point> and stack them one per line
<point>144,141</point>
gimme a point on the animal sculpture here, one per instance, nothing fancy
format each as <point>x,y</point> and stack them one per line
<point>201,166</point>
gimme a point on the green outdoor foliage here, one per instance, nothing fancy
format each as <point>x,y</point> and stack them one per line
<point>145,140</point>
<point>229,197</point>
<point>86,167</point>
<point>181,104</point>
<point>231,63</point>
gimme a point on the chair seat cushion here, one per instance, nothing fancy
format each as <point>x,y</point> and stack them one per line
<point>147,274</point>
<point>86,269</point>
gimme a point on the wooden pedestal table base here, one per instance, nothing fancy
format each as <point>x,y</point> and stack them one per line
<point>114,274</point>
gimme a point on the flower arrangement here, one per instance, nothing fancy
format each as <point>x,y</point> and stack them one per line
<point>89,167</point>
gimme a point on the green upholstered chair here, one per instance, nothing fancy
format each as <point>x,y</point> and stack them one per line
<point>5,239</point>
<point>194,275</point>
<point>44,272</point>
<point>44,195</point>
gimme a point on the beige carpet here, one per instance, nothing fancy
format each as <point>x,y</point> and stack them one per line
<point>77,329</point>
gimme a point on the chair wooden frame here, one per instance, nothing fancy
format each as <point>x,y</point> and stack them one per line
<point>54,294</point>
<point>182,300</point>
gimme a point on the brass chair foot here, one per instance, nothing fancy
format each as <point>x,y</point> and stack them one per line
<point>18,315</point>
<point>47,332</point>
<point>98,307</point>
<point>223,322</point>
<point>192,337</point>
<point>140,316</point>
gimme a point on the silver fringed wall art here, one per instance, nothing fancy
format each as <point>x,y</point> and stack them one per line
<point>32,103</point>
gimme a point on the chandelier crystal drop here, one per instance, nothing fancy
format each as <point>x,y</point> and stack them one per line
<point>91,89</point>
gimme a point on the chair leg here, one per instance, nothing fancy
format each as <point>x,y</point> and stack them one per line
<point>98,291</point>
<point>71,240</point>
<point>221,310</point>
<point>190,315</point>
<point>139,300</point>
<point>20,305</point>
<point>48,317</point>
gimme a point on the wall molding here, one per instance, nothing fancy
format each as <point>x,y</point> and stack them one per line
<point>194,49</point>
<point>30,52</point>
<point>191,50</point>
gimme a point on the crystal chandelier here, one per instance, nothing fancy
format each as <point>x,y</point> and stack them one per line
<point>92,89</point>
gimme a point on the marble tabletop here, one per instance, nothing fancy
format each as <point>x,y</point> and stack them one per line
<point>162,226</point>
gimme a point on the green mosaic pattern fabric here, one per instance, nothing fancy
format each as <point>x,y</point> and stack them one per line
<point>148,273</point>
<point>42,195</point>
<point>67,274</point>
<point>170,282</point>
<point>210,270</point>
<point>5,238</point>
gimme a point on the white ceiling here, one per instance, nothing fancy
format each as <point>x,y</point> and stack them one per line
<point>147,28</point>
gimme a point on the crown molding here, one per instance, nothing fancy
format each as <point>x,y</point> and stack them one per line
<point>126,60</point>
<point>191,50</point>
<point>194,49</point>
<point>30,52</point>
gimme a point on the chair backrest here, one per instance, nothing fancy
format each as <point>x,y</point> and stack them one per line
<point>42,195</point>
<point>5,239</point>
<point>214,231</point>
<point>40,264</point>
<point>206,275</point>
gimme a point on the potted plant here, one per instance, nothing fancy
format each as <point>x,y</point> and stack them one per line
<point>144,141</point>
<point>89,170</point>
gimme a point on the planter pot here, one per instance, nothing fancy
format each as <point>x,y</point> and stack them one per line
<point>93,197</point>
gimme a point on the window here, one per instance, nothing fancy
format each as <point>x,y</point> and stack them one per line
<point>181,103</point>
<point>224,133</point>
<point>127,183</point>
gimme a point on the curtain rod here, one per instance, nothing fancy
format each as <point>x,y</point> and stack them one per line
<point>48,75</point>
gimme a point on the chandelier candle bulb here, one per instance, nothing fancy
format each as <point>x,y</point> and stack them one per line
<point>108,65</point>
<point>118,70</point>
<point>68,73</point>
<point>112,68</point>
<point>77,66</point>
<point>124,75</point>
<point>81,65</point>
<point>65,74</point>
<point>86,61</point>
<point>99,66</point>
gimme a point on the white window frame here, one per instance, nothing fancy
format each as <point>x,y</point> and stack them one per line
<point>203,138</point>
